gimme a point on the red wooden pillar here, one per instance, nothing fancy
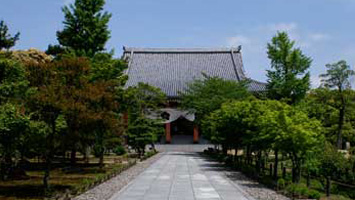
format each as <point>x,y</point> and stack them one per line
<point>168,133</point>
<point>196,134</point>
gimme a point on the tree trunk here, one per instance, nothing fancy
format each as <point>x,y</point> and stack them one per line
<point>224,149</point>
<point>47,174</point>
<point>48,156</point>
<point>258,163</point>
<point>327,187</point>
<point>73,156</point>
<point>276,163</point>
<point>308,179</point>
<point>340,128</point>
<point>101,160</point>
<point>296,169</point>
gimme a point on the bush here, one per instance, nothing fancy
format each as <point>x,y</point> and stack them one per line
<point>297,190</point>
<point>119,150</point>
<point>312,194</point>
<point>281,183</point>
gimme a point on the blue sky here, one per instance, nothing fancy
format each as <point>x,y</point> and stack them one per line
<point>323,29</point>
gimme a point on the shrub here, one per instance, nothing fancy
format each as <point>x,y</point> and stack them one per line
<point>313,194</point>
<point>297,190</point>
<point>119,150</point>
<point>281,184</point>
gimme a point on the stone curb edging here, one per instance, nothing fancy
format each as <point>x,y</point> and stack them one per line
<point>110,187</point>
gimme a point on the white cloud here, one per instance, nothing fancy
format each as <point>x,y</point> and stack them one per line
<point>319,37</point>
<point>238,40</point>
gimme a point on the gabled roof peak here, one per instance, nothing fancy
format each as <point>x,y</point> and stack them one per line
<point>182,50</point>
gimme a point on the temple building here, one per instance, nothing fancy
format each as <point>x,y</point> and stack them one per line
<point>171,69</point>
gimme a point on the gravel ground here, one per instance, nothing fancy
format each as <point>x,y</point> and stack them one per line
<point>109,188</point>
<point>253,188</point>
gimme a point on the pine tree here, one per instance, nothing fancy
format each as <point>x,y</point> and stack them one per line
<point>338,76</point>
<point>6,40</point>
<point>85,27</point>
<point>289,78</point>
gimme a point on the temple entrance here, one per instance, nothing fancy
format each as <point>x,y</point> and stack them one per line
<point>182,131</point>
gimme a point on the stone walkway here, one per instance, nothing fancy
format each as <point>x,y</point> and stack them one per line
<point>182,176</point>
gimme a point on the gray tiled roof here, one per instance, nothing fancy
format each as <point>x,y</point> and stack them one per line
<point>171,69</point>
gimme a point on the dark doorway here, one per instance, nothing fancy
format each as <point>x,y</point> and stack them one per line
<point>182,131</point>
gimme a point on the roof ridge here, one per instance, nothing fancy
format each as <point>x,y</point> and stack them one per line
<point>182,50</point>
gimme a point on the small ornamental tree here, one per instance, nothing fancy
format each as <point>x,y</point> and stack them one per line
<point>6,40</point>
<point>139,102</point>
<point>85,28</point>
<point>143,131</point>
<point>338,76</point>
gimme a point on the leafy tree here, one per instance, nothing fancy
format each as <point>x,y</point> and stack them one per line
<point>142,99</point>
<point>139,101</point>
<point>263,125</point>
<point>13,83</point>
<point>338,76</point>
<point>331,163</point>
<point>207,95</point>
<point>13,123</point>
<point>46,104</point>
<point>105,67</point>
<point>6,40</point>
<point>107,73</point>
<point>143,131</point>
<point>85,27</point>
<point>299,135</point>
<point>289,78</point>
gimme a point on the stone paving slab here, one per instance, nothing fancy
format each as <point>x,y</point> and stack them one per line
<point>182,176</point>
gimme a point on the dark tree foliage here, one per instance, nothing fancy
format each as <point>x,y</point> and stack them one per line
<point>289,77</point>
<point>55,50</point>
<point>63,88</point>
<point>6,40</point>
<point>85,27</point>
<point>207,95</point>
<point>338,76</point>
<point>13,124</point>
<point>13,83</point>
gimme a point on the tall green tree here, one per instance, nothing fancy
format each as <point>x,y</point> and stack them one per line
<point>6,40</point>
<point>289,78</point>
<point>85,27</point>
<point>338,77</point>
